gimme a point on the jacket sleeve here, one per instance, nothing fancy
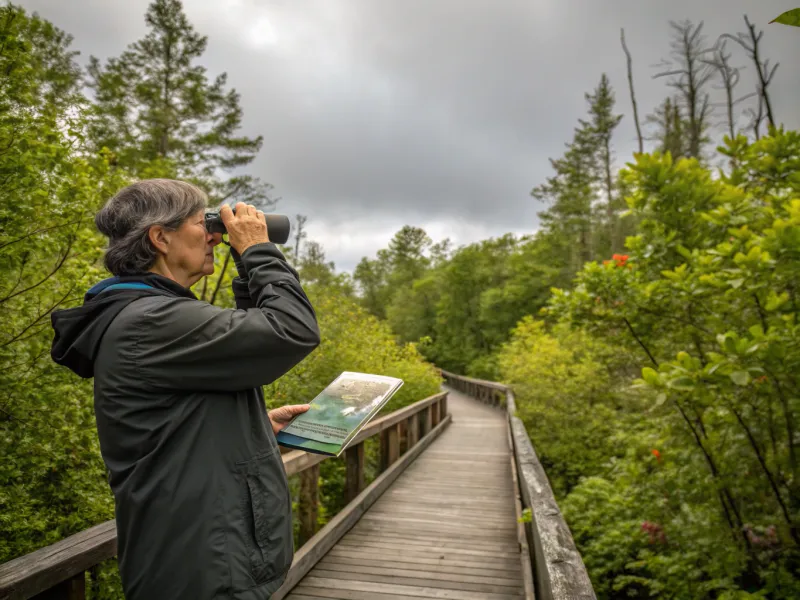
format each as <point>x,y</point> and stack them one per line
<point>185,344</point>
<point>241,291</point>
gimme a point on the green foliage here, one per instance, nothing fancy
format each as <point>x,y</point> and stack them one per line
<point>707,302</point>
<point>53,483</point>
<point>564,382</point>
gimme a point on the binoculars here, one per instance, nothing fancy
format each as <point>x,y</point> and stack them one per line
<point>278,226</point>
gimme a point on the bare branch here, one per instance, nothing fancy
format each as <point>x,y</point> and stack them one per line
<point>55,270</point>
<point>633,96</point>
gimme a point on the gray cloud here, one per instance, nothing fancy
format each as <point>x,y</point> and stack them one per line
<point>442,114</point>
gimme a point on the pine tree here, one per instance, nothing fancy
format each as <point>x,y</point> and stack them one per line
<point>671,129</point>
<point>158,112</point>
<point>572,194</point>
<point>600,129</point>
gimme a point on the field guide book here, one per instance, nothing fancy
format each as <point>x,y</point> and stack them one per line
<point>338,413</point>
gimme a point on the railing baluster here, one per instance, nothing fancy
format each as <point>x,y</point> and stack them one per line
<point>402,430</point>
<point>71,589</point>
<point>384,435</point>
<point>354,471</point>
<point>413,431</point>
<point>309,502</point>
<point>393,444</point>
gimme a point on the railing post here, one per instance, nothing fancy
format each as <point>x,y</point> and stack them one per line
<point>71,589</point>
<point>412,429</point>
<point>443,407</point>
<point>309,502</point>
<point>354,471</point>
<point>402,432</point>
<point>393,444</point>
<point>434,414</point>
<point>384,435</point>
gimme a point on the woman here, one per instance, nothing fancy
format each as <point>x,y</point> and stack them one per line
<point>202,502</point>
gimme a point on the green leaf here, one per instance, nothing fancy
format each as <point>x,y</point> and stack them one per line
<point>740,377</point>
<point>790,17</point>
<point>682,383</point>
<point>736,283</point>
<point>661,398</point>
<point>650,376</point>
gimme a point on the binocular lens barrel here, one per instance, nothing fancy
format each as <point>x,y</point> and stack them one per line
<point>278,226</point>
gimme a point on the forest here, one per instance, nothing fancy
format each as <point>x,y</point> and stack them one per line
<point>649,326</point>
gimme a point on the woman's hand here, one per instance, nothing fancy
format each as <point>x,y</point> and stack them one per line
<point>280,417</point>
<point>246,228</point>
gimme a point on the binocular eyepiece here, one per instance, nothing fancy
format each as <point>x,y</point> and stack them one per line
<point>278,226</point>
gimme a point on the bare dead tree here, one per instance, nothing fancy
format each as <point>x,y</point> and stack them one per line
<point>633,95</point>
<point>750,41</point>
<point>299,236</point>
<point>756,118</point>
<point>690,75</point>
<point>719,58</point>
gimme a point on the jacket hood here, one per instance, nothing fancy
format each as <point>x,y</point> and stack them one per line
<point>79,331</point>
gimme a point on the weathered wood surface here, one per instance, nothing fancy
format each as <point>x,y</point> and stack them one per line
<point>45,568</point>
<point>446,528</point>
<point>311,552</point>
<point>560,572</point>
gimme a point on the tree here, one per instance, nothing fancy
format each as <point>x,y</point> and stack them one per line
<point>750,43</point>
<point>299,236</point>
<point>720,60</point>
<point>158,113</point>
<point>690,75</point>
<point>571,193</point>
<point>601,128</point>
<point>315,270</point>
<point>670,135</point>
<point>371,277</point>
<point>630,87</point>
<point>584,171</point>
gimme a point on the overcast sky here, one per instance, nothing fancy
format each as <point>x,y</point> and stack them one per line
<point>435,113</point>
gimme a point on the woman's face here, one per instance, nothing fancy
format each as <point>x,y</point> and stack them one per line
<point>191,254</point>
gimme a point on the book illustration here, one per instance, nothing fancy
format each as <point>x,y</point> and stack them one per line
<point>339,409</point>
<point>339,412</point>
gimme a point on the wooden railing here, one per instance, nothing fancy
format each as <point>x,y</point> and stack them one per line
<point>59,571</point>
<point>558,570</point>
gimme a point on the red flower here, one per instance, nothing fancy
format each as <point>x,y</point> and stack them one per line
<point>620,259</point>
<point>656,453</point>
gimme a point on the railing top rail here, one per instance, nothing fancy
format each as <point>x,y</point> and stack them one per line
<point>40,570</point>
<point>484,382</point>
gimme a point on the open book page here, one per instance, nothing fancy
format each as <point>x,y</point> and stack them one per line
<point>343,407</point>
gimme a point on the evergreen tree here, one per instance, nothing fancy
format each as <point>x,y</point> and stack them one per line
<point>407,256</point>
<point>571,192</point>
<point>671,127</point>
<point>159,113</point>
<point>601,128</point>
<point>315,269</point>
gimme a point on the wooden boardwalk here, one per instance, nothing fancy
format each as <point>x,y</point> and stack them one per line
<point>445,529</point>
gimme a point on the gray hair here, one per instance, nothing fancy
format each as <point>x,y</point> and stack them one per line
<point>126,220</point>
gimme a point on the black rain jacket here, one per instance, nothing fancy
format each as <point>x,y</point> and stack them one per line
<point>202,501</point>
